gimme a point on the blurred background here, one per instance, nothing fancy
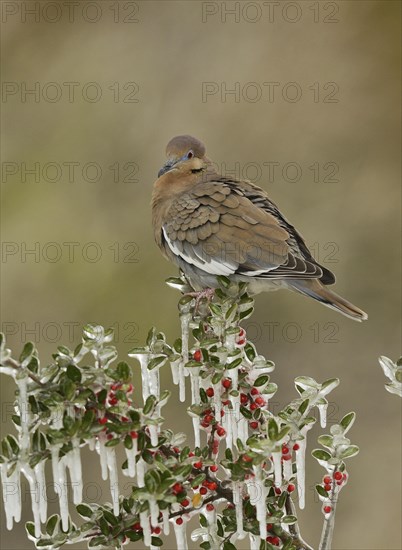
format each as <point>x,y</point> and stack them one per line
<point>301,98</point>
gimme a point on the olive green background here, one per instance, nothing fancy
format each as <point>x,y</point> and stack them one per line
<point>352,223</point>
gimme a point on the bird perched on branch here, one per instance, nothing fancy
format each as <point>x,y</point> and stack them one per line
<point>211,225</point>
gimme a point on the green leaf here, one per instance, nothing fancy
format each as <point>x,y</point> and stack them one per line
<point>272,430</point>
<point>51,524</point>
<point>73,373</point>
<point>261,380</point>
<point>112,442</point>
<point>234,363</point>
<point>320,454</point>
<point>350,451</point>
<point>229,546</point>
<point>198,480</point>
<point>42,543</point>
<point>348,420</point>
<point>84,510</point>
<point>30,527</point>
<point>149,404</point>
<point>156,362</point>
<point>321,491</point>
<point>156,541</point>
<point>290,520</point>
<point>203,521</point>
<point>303,406</point>
<point>326,441</point>
<point>27,352</point>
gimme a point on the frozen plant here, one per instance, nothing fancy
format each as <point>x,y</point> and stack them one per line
<point>242,472</point>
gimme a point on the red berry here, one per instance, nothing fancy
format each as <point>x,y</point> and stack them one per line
<point>253,406</point>
<point>253,425</point>
<point>296,447</point>
<point>208,418</point>
<point>203,491</point>
<point>213,468</point>
<point>116,386</point>
<point>177,488</point>
<point>113,401</point>
<point>339,482</point>
<point>185,502</point>
<point>226,383</point>
<point>327,487</point>
<point>226,402</point>
<point>327,509</point>
<point>222,413</point>
<point>254,391</point>
<point>179,521</point>
<point>327,480</point>
<point>134,435</point>
<point>278,491</point>
<point>287,457</point>
<point>338,476</point>
<point>221,431</point>
<point>191,454</point>
<point>210,392</point>
<point>136,526</point>
<point>269,526</point>
<point>247,458</point>
<point>198,464</point>
<point>291,488</point>
<point>210,507</point>
<point>273,540</point>
<point>260,401</point>
<point>102,420</point>
<point>197,356</point>
<point>156,530</point>
<point>243,398</point>
<point>212,486</point>
<point>241,342</point>
<point>285,450</point>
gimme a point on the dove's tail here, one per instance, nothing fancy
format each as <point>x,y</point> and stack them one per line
<point>318,291</point>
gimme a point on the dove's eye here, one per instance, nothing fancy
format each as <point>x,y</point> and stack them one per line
<point>190,154</point>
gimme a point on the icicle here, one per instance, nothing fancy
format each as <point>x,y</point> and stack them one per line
<point>228,417</point>
<point>181,535</point>
<point>131,456</point>
<point>300,465</point>
<point>195,397</point>
<point>260,501</point>
<point>143,359</point>
<point>174,365</point>
<point>153,432</point>
<point>165,521</point>
<point>153,381</point>
<point>146,528</point>
<point>100,447</point>
<point>113,476</point>
<point>24,413</point>
<point>322,409</point>
<point>39,471</point>
<point>141,465</point>
<point>74,465</point>
<point>238,501</point>
<point>60,485</point>
<point>276,459</point>
<point>185,322</point>
<point>287,469</point>
<point>35,497</point>
<point>92,444</point>
<point>154,511</point>
<point>11,495</point>
<point>212,528</point>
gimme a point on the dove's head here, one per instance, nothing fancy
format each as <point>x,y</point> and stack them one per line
<point>186,153</point>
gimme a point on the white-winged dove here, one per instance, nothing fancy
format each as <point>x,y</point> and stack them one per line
<point>213,225</point>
